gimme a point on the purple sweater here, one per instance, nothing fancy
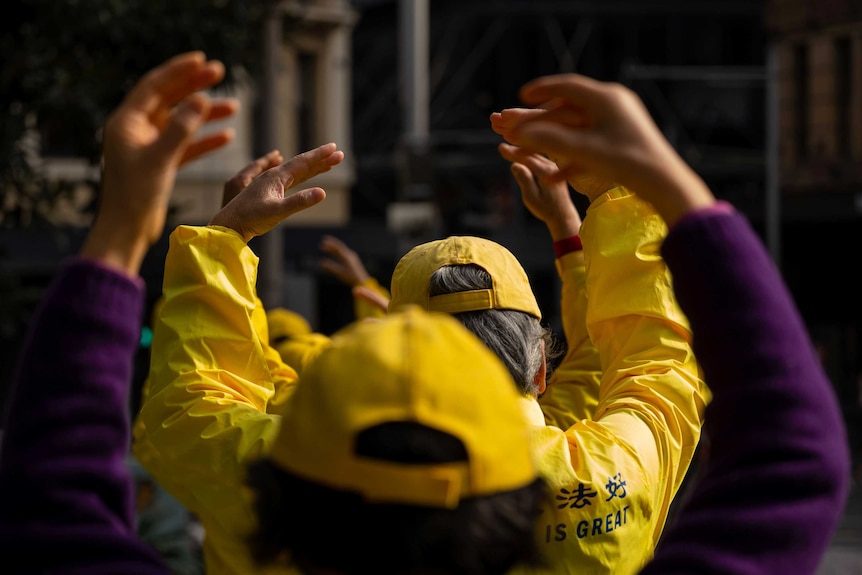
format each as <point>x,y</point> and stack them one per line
<point>65,491</point>
<point>777,477</point>
<point>770,500</point>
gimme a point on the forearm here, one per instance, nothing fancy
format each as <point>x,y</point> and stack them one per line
<point>564,224</point>
<point>117,246</point>
<point>672,187</point>
<point>66,439</point>
<point>363,309</point>
<point>774,414</point>
<point>211,384</point>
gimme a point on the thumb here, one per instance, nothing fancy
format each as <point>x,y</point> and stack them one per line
<point>301,200</point>
<point>184,122</point>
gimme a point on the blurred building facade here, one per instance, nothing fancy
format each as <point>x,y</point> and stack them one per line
<point>699,65</point>
<point>304,101</point>
<point>761,97</point>
<point>308,101</point>
<point>818,47</point>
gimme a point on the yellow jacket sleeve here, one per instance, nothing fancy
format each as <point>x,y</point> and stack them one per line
<point>573,389</point>
<point>648,366</point>
<point>612,477</point>
<point>215,388</point>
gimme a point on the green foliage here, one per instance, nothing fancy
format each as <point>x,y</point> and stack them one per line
<point>67,63</point>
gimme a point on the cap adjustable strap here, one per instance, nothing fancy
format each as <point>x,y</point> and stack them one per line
<point>462,301</point>
<point>433,485</point>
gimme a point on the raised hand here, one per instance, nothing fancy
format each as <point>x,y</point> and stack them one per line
<point>603,129</point>
<point>243,178</point>
<point>549,201</point>
<point>588,184</point>
<point>146,139</point>
<point>264,203</point>
<point>376,299</point>
<point>343,263</point>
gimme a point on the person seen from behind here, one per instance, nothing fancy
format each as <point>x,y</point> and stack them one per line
<point>67,493</point>
<point>774,487</point>
<point>616,427</point>
<point>737,303</point>
<point>615,438</point>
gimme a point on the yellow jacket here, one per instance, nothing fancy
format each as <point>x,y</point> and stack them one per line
<point>613,449</point>
<point>215,389</point>
<point>573,388</point>
<point>614,466</point>
<point>299,350</point>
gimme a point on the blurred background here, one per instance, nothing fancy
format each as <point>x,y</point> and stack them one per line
<point>762,97</point>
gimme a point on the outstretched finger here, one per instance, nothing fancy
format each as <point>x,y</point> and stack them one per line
<point>575,89</point>
<point>510,152</point>
<point>335,269</point>
<point>331,266</point>
<point>245,176</point>
<point>257,167</point>
<point>377,300</point>
<point>308,164</point>
<point>168,84</point>
<point>536,163</point>
<point>331,243</point>
<point>223,108</point>
<point>560,123</point>
<point>525,179</point>
<point>505,120</point>
<point>564,115</point>
<point>540,167</point>
<point>564,145</point>
<point>184,122</point>
<point>207,144</point>
<point>334,247</point>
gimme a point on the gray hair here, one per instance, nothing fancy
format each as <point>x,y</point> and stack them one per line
<point>516,337</point>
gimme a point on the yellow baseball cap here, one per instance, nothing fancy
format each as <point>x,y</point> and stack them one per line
<point>410,366</point>
<point>511,286</point>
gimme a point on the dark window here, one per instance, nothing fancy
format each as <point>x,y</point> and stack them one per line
<point>843,88</point>
<point>800,86</point>
<point>307,102</point>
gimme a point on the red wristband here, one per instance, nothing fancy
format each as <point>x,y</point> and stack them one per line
<point>568,245</point>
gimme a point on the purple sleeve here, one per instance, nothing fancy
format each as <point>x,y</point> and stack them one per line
<point>777,477</point>
<point>65,488</point>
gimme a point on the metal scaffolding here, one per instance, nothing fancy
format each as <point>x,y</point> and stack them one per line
<point>679,55</point>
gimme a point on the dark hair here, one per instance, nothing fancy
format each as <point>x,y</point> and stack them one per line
<point>515,337</point>
<point>311,525</point>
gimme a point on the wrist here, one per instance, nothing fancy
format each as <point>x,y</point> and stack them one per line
<point>222,221</point>
<point>674,189</point>
<point>681,197</point>
<point>116,249</point>
<point>565,227</point>
<point>567,245</point>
